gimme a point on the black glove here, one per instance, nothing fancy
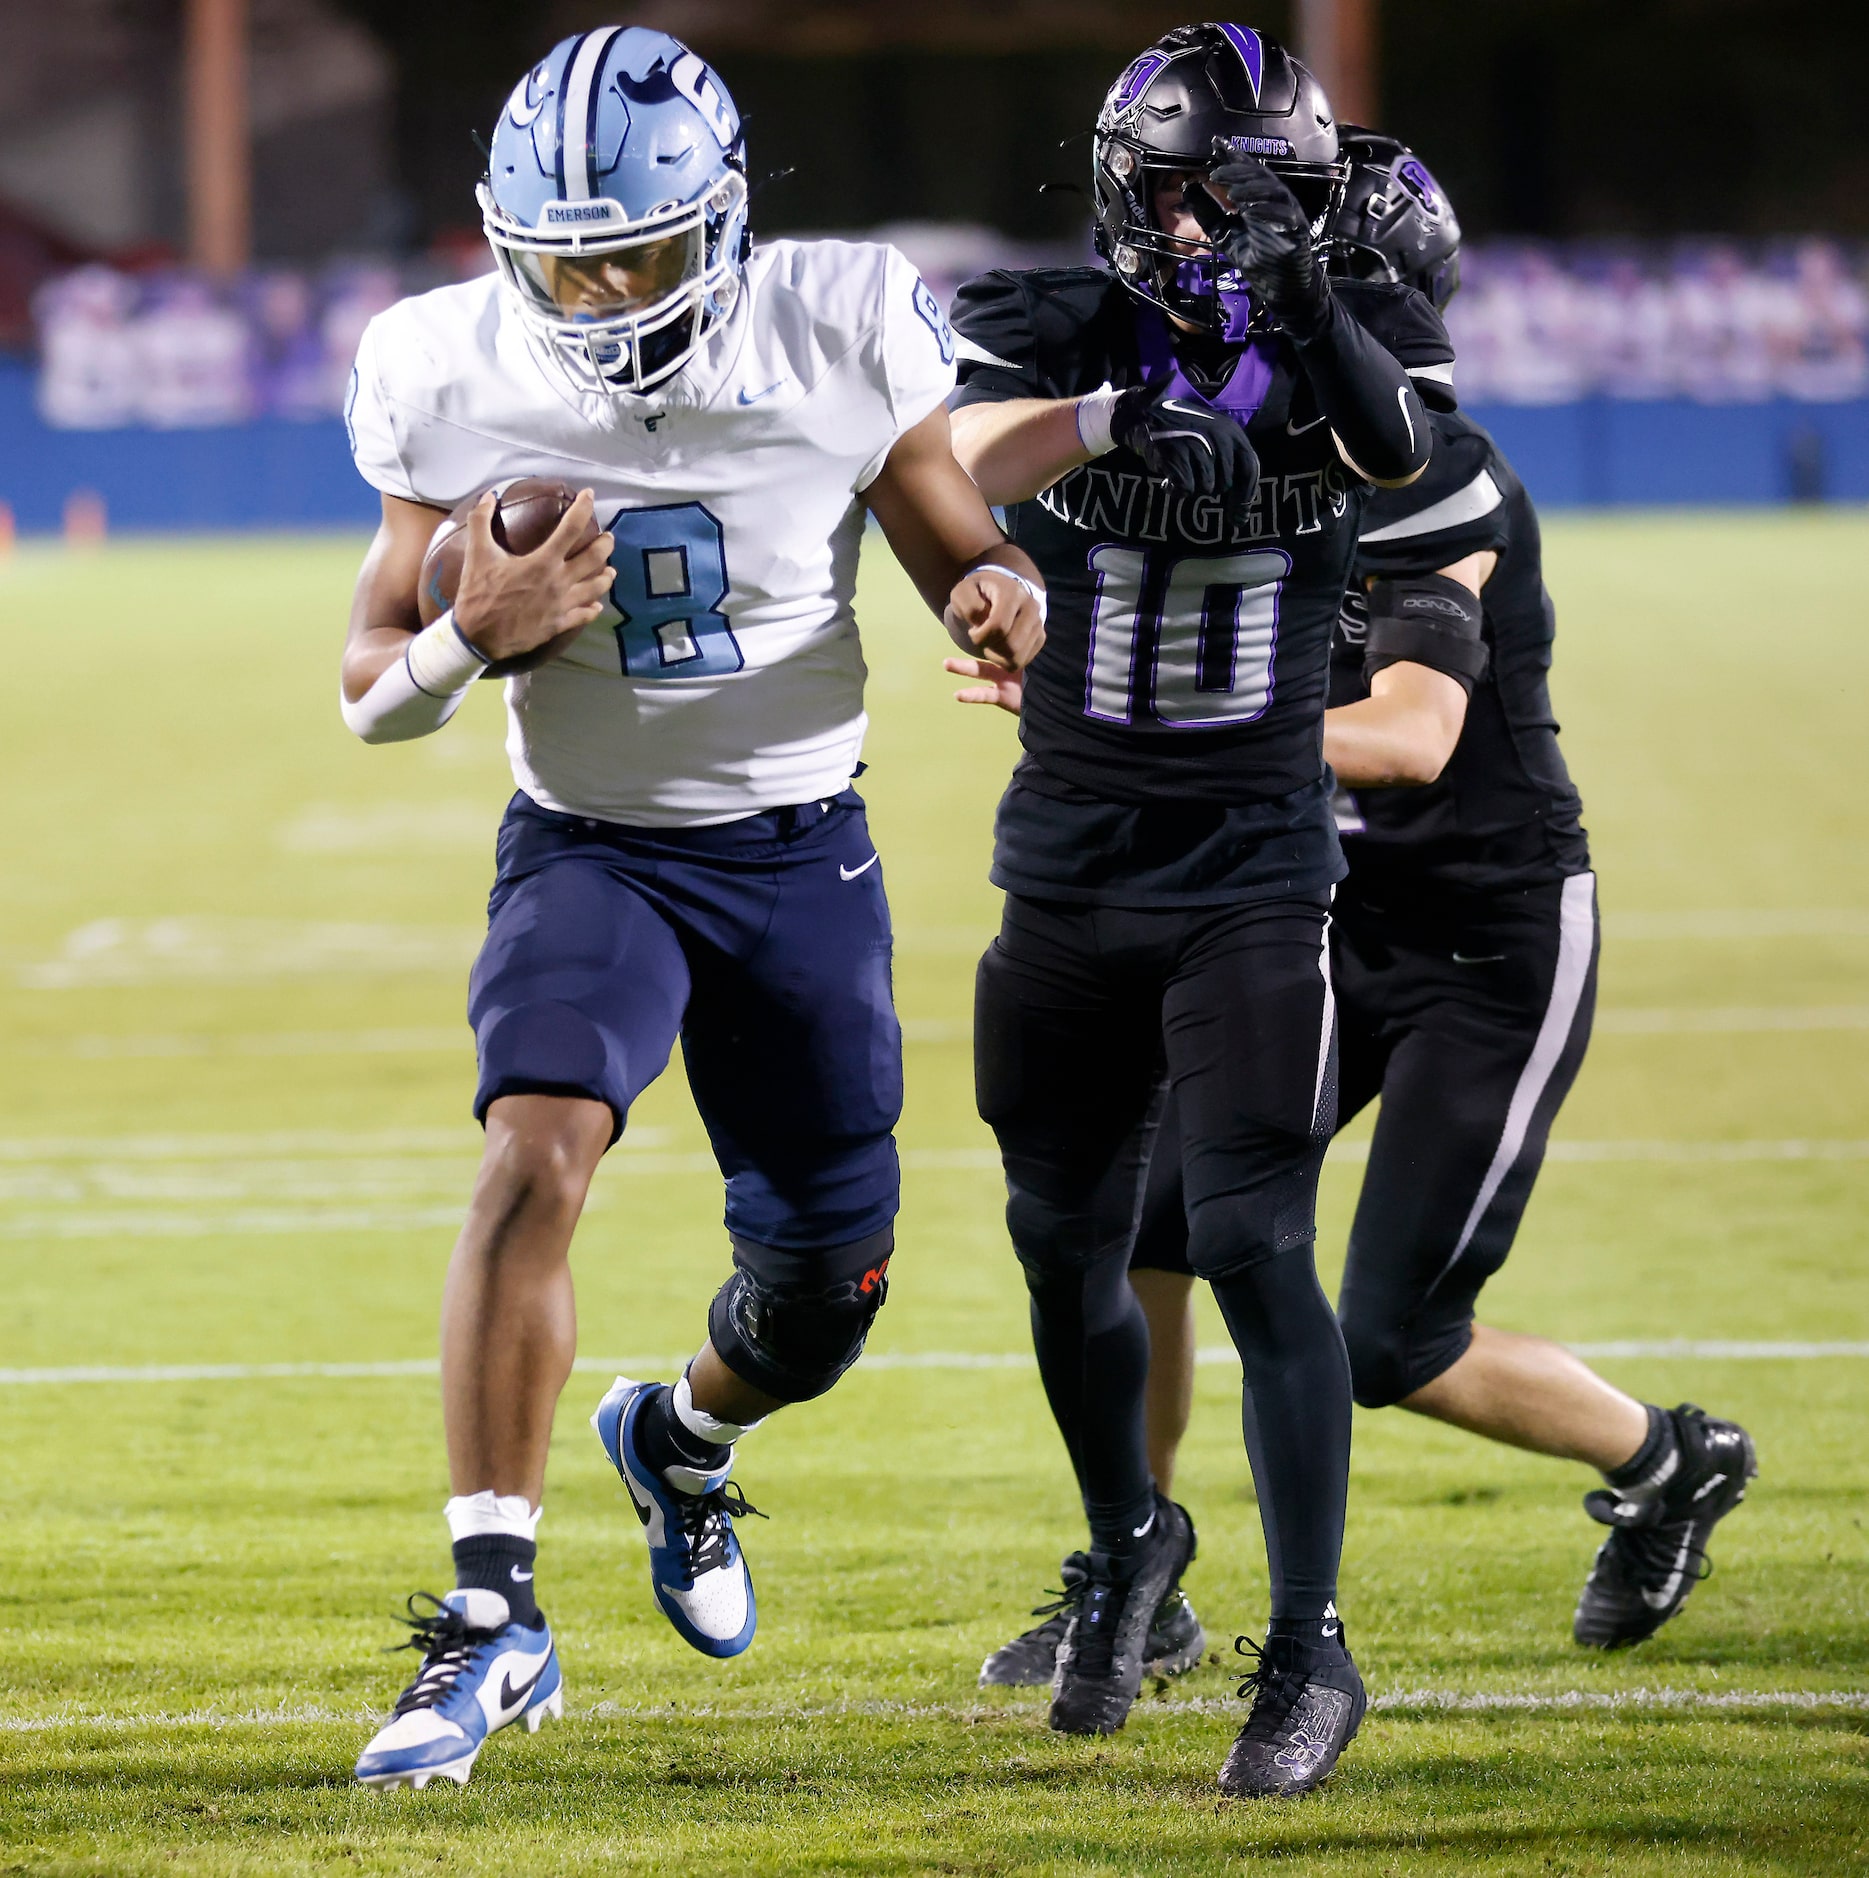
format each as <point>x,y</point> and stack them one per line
<point>1268,238</point>
<point>1198,451</point>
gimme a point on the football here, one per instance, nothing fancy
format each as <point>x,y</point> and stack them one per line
<point>530,507</point>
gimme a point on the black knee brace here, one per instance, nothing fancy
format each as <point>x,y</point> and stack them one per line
<point>789,1322</point>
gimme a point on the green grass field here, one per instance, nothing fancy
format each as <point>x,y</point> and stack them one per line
<point>232,955</point>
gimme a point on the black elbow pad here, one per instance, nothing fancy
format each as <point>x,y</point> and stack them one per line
<point>1428,620</point>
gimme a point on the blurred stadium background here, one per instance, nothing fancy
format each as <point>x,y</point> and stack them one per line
<point>202,202</point>
<point>233,1143</point>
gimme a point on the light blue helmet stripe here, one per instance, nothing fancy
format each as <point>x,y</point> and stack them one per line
<point>580,111</point>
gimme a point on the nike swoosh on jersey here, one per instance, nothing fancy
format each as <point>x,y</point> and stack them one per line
<point>1298,430</point>
<point>1477,958</point>
<point>753,397</point>
<point>850,873</point>
<point>511,1697</point>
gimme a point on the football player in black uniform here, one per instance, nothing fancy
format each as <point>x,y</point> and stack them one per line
<point>1464,955</point>
<point>1186,439</point>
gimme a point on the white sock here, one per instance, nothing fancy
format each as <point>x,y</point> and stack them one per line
<point>701,1424</point>
<point>469,1515</point>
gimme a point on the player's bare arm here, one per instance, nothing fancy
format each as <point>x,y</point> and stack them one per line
<point>507,604</point>
<point>985,590</point>
<point>1405,730</point>
<point>1015,449</point>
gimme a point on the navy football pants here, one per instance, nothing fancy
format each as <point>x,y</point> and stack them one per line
<point>763,943</point>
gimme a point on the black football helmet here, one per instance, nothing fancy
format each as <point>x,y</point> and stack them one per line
<point>1395,222</point>
<point>1162,117</point>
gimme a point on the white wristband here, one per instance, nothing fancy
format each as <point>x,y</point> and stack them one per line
<point>1094,413</point>
<point>441,661</point>
<point>1037,592</point>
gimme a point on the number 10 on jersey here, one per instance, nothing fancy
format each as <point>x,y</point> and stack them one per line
<point>671,576</point>
<point>1215,627</point>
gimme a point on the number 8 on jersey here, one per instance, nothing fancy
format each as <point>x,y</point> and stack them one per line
<point>671,578</point>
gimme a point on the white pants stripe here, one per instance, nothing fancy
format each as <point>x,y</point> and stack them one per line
<point>1328,1026</point>
<point>1576,939</point>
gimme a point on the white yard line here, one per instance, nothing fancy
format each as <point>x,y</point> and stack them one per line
<point>453,1039</point>
<point>1399,1702</point>
<point>1742,922</point>
<point>1727,1019</point>
<point>1696,1351</point>
<point>464,1145</point>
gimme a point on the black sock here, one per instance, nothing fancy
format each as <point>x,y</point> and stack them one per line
<point>1649,1455</point>
<point>1307,1642</point>
<point>496,1561</point>
<point>666,1443</point>
<point>1119,1532</point>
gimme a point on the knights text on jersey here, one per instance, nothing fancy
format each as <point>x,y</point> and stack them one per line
<point>725,675</point>
<point>1504,813</point>
<point>1186,658</point>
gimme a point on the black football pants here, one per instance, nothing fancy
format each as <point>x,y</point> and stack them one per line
<point>1468,1015</point>
<point>1079,1014</point>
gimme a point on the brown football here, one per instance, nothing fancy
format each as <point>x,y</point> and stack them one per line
<point>530,508</point>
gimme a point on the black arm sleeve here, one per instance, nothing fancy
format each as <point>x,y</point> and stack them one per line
<point>1370,402</point>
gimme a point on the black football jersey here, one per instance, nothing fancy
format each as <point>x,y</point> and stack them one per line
<point>1173,723</point>
<point>1504,812</point>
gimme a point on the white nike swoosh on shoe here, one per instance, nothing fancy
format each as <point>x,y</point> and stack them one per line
<point>1146,1524</point>
<point>1660,1600</point>
<point>850,873</point>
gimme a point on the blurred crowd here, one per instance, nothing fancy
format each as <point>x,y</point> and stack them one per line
<point>174,351</point>
<point>1532,324</point>
<point>1709,321</point>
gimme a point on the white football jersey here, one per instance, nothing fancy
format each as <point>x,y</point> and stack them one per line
<point>725,676</point>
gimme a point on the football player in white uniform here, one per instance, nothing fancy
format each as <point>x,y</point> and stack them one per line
<point>684,855</point>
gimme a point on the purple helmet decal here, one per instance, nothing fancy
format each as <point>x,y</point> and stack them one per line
<point>1247,44</point>
<point>1135,81</point>
<point>1412,175</point>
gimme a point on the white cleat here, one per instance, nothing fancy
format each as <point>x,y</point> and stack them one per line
<point>480,1673</point>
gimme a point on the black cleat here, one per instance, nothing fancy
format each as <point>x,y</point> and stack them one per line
<point>1176,1640</point>
<point>1657,1548</point>
<point>1105,1645</point>
<point>1301,1722</point>
<point>1031,1658</point>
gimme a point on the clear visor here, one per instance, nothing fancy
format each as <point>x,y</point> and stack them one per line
<point>585,289</point>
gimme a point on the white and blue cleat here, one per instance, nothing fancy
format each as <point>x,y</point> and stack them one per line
<point>480,1673</point>
<point>695,1563</point>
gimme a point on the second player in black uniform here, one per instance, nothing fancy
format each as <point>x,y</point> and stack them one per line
<point>1187,439</point>
<point>1464,946</point>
